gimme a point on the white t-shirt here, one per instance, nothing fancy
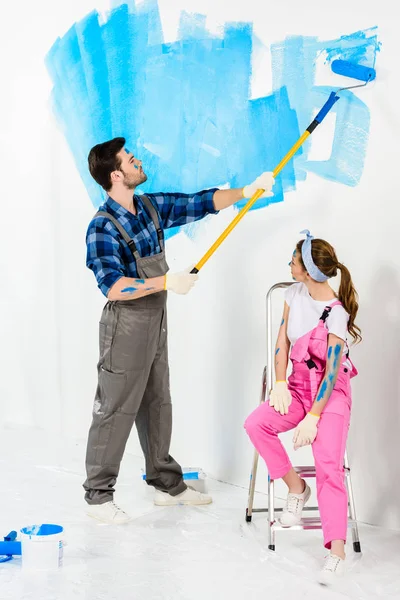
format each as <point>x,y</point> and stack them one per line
<point>305,313</point>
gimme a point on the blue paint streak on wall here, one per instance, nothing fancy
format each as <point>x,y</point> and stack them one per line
<point>184,107</point>
<point>360,47</point>
<point>293,64</point>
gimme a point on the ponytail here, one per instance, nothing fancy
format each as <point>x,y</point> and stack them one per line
<point>348,297</point>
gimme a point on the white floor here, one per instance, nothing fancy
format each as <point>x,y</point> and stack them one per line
<point>167,553</point>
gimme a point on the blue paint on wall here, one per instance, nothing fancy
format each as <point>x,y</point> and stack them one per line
<point>184,107</point>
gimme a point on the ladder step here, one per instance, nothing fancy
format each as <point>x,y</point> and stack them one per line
<point>280,509</point>
<point>307,523</point>
<point>261,510</point>
<point>310,471</point>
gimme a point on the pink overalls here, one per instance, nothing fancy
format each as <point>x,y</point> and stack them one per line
<point>308,357</point>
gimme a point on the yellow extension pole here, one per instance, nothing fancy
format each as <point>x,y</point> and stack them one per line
<point>249,204</point>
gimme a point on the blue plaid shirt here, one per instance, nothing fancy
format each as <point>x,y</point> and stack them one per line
<point>109,256</point>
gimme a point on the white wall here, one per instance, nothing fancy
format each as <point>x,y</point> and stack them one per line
<point>51,304</point>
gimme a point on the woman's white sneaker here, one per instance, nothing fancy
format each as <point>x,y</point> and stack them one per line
<point>109,512</point>
<point>188,497</point>
<point>332,570</point>
<point>291,514</point>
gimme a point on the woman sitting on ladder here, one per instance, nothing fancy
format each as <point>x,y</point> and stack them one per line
<point>316,401</point>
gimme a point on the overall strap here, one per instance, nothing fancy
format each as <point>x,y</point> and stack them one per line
<point>123,232</point>
<point>328,309</point>
<point>326,314</point>
<point>154,217</point>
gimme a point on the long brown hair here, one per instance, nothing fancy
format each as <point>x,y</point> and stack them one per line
<point>324,256</point>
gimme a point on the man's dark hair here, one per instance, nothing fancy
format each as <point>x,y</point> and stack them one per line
<point>103,160</point>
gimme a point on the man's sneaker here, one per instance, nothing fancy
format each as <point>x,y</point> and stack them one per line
<point>108,512</point>
<point>189,497</point>
<point>291,514</point>
<point>332,570</point>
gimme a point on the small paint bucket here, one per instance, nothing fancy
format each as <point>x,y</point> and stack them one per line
<point>42,547</point>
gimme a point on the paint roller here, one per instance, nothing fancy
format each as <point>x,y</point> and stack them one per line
<point>340,67</point>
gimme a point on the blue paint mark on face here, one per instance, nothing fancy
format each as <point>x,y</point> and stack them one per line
<point>330,351</point>
<point>129,290</point>
<point>116,77</point>
<point>276,351</point>
<point>322,390</point>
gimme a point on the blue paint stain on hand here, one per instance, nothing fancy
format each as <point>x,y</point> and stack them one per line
<point>117,76</point>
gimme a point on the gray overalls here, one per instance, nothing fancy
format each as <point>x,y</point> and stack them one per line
<point>133,384</point>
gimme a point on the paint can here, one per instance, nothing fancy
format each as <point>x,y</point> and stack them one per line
<point>42,547</point>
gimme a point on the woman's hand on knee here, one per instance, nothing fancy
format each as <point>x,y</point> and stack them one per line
<point>280,397</point>
<point>306,431</point>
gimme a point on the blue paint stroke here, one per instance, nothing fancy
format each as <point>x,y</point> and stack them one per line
<point>330,351</point>
<point>129,290</point>
<point>276,351</point>
<point>141,281</point>
<point>322,391</point>
<point>338,349</point>
<point>283,320</point>
<point>293,64</point>
<point>184,107</point>
<point>331,377</point>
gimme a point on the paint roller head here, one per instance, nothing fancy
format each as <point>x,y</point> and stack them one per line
<point>349,69</point>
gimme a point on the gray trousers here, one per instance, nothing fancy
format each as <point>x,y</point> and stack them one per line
<point>133,386</point>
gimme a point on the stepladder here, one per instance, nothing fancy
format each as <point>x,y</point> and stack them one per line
<point>305,471</point>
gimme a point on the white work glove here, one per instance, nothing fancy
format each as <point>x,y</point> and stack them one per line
<point>306,431</point>
<point>181,283</point>
<point>280,397</point>
<point>263,182</point>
